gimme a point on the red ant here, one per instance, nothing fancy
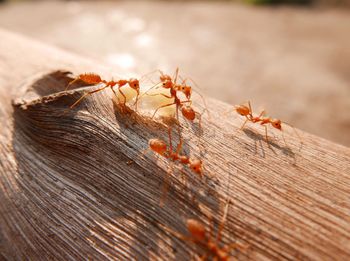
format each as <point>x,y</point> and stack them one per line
<point>201,237</point>
<point>187,111</point>
<point>246,111</point>
<point>92,79</point>
<point>160,147</point>
<point>168,83</point>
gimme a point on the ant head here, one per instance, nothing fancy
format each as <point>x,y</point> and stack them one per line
<point>157,146</point>
<point>167,84</point>
<point>188,113</point>
<point>276,124</point>
<point>242,110</point>
<point>196,166</point>
<point>196,229</point>
<point>187,90</point>
<point>134,83</point>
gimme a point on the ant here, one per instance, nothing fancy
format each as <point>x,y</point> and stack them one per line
<point>167,82</point>
<point>92,79</point>
<point>246,111</point>
<point>200,236</point>
<point>160,147</point>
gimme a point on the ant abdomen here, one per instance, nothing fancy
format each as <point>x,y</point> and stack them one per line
<point>188,112</point>
<point>158,146</point>
<point>90,78</point>
<point>196,229</point>
<point>242,110</point>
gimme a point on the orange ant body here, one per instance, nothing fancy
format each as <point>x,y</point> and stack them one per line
<point>168,83</point>
<point>91,79</point>
<point>200,236</point>
<point>246,111</point>
<point>160,147</point>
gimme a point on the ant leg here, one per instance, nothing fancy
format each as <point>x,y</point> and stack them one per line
<point>267,139</point>
<point>205,105</point>
<point>250,109</point>
<point>156,94</point>
<point>239,246</point>
<point>170,140</point>
<point>295,131</point>
<point>137,100</point>
<point>176,75</point>
<point>241,128</point>
<point>88,93</point>
<point>178,126</point>
<point>211,226</point>
<point>261,113</point>
<point>178,106</point>
<point>179,146</point>
<point>147,78</point>
<point>145,93</point>
<point>143,152</point>
<point>199,116</point>
<point>147,74</point>
<point>204,257</point>
<point>115,94</point>
<point>222,223</point>
<point>166,105</point>
<point>202,97</point>
<point>71,82</point>
<point>177,234</point>
<point>225,113</point>
<point>284,139</point>
<point>165,187</point>
<point>119,89</point>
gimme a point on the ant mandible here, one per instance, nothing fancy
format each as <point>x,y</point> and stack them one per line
<point>200,236</point>
<point>92,79</point>
<point>246,111</point>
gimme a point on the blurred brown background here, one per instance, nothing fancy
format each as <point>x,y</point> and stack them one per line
<point>292,60</point>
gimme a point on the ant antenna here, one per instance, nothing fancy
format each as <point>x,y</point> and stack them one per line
<point>197,87</point>
<point>166,185</point>
<point>156,86</point>
<point>86,94</point>
<point>228,201</point>
<point>295,131</point>
<point>176,75</point>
